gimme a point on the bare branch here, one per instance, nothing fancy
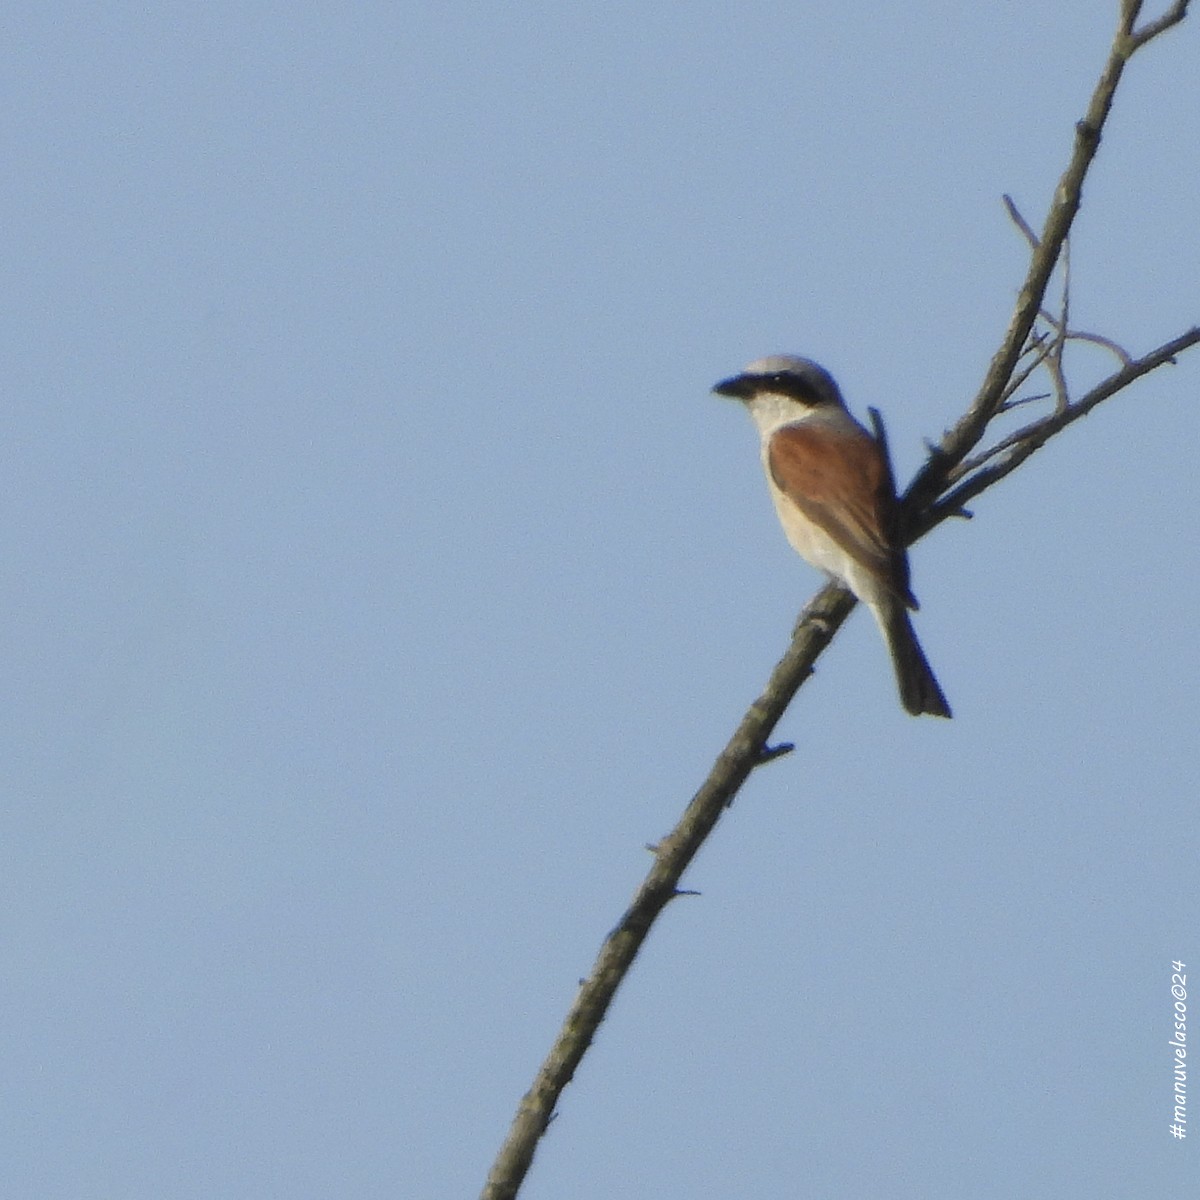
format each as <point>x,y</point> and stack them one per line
<point>1054,363</point>
<point>1039,348</point>
<point>1010,406</point>
<point>1129,15</point>
<point>1172,16</point>
<point>820,620</point>
<point>1078,335</point>
<point>1020,222</point>
<point>965,435</point>
<point>1021,352</point>
<point>1033,437</point>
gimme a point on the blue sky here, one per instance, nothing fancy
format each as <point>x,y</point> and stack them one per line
<point>380,578</point>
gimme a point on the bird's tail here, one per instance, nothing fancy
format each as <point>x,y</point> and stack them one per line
<point>919,690</point>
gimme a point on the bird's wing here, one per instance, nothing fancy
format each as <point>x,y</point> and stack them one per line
<point>840,481</point>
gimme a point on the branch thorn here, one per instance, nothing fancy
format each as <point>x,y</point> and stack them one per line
<point>770,753</point>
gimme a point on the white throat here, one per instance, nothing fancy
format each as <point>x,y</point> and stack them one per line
<point>771,411</point>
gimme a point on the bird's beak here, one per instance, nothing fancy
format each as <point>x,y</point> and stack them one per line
<point>737,387</point>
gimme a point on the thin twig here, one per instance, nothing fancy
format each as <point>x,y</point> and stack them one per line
<point>1027,441</point>
<point>1011,406</point>
<point>1172,16</point>
<point>1038,347</point>
<point>1096,339</point>
<point>1054,363</point>
<point>1020,222</point>
<point>1035,433</point>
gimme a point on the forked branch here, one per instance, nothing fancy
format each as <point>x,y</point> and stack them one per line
<point>949,478</point>
<point>966,433</point>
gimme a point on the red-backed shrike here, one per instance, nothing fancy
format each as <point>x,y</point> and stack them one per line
<point>833,490</point>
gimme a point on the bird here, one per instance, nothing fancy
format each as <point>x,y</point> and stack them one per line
<point>832,485</point>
